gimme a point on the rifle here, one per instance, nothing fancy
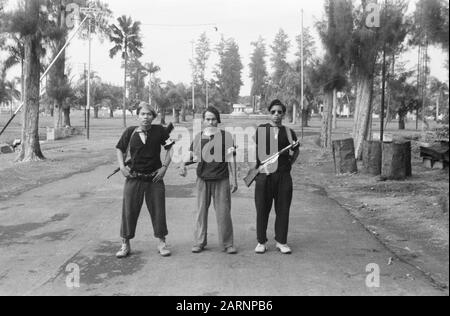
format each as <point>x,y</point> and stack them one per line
<point>168,145</point>
<point>253,173</point>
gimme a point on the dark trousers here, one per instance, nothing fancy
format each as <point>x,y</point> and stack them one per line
<point>133,199</point>
<point>274,188</point>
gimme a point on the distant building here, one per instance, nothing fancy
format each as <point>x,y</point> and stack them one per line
<point>344,111</point>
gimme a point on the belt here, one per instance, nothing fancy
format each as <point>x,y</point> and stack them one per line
<point>143,176</point>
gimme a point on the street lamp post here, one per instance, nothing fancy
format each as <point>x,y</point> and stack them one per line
<point>88,115</point>
<point>90,12</point>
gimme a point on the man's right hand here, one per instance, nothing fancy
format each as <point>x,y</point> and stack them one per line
<point>126,172</point>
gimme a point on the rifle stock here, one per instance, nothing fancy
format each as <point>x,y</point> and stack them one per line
<point>253,173</point>
<point>250,178</point>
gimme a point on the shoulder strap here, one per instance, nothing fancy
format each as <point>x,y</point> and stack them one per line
<point>289,136</point>
<point>128,153</point>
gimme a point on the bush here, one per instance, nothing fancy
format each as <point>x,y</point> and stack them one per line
<point>442,133</point>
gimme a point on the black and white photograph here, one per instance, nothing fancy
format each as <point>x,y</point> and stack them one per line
<point>224,154</point>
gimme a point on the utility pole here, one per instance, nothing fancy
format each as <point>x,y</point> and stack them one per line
<point>207,94</point>
<point>383,93</point>
<point>301,80</point>
<point>90,12</point>
<point>425,84</point>
<point>193,82</point>
<point>89,82</point>
<point>85,92</point>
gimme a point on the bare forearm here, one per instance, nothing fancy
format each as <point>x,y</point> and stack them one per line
<point>168,158</point>
<point>233,169</point>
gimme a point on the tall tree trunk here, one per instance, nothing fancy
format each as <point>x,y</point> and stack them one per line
<point>183,114</point>
<point>60,65</point>
<point>417,119</point>
<point>31,149</point>
<point>22,80</point>
<point>437,106</point>
<point>335,110</point>
<point>176,116</point>
<point>326,132</point>
<point>58,117</point>
<point>305,117</point>
<point>364,95</point>
<point>125,94</point>
<point>401,122</point>
<point>290,114</point>
<point>66,112</point>
<point>163,116</point>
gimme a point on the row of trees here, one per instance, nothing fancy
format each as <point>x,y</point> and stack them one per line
<point>359,59</point>
<point>33,34</point>
<point>356,52</point>
<point>223,88</point>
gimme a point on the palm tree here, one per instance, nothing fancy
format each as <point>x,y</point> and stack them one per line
<point>160,97</point>
<point>11,92</point>
<point>176,99</point>
<point>439,90</point>
<point>126,38</point>
<point>16,56</point>
<point>28,22</point>
<point>151,69</point>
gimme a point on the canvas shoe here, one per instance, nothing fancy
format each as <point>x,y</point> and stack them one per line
<point>284,249</point>
<point>163,250</point>
<point>197,249</point>
<point>125,250</point>
<point>261,249</point>
<point>231,250</point>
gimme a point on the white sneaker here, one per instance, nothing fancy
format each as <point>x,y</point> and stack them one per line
<point>261,249</point>
<point>124,251</point>
<point>163,250</point>
<point>284,249</point>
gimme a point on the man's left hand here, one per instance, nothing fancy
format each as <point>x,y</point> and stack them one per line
<point>160,174</point>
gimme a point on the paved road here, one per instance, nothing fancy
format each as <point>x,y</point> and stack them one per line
<point>76,221</point>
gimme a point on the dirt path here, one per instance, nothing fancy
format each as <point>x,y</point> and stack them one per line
<point>63,211</point>
<point>76,221</point>
<point>410,217</point>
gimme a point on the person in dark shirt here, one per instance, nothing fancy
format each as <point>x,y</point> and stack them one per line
<point>144,178</point>
<point>216,153</point>
<point>274,184</point>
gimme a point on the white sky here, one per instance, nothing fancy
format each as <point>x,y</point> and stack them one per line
<point>178,22</point>
<point>169,26</point>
